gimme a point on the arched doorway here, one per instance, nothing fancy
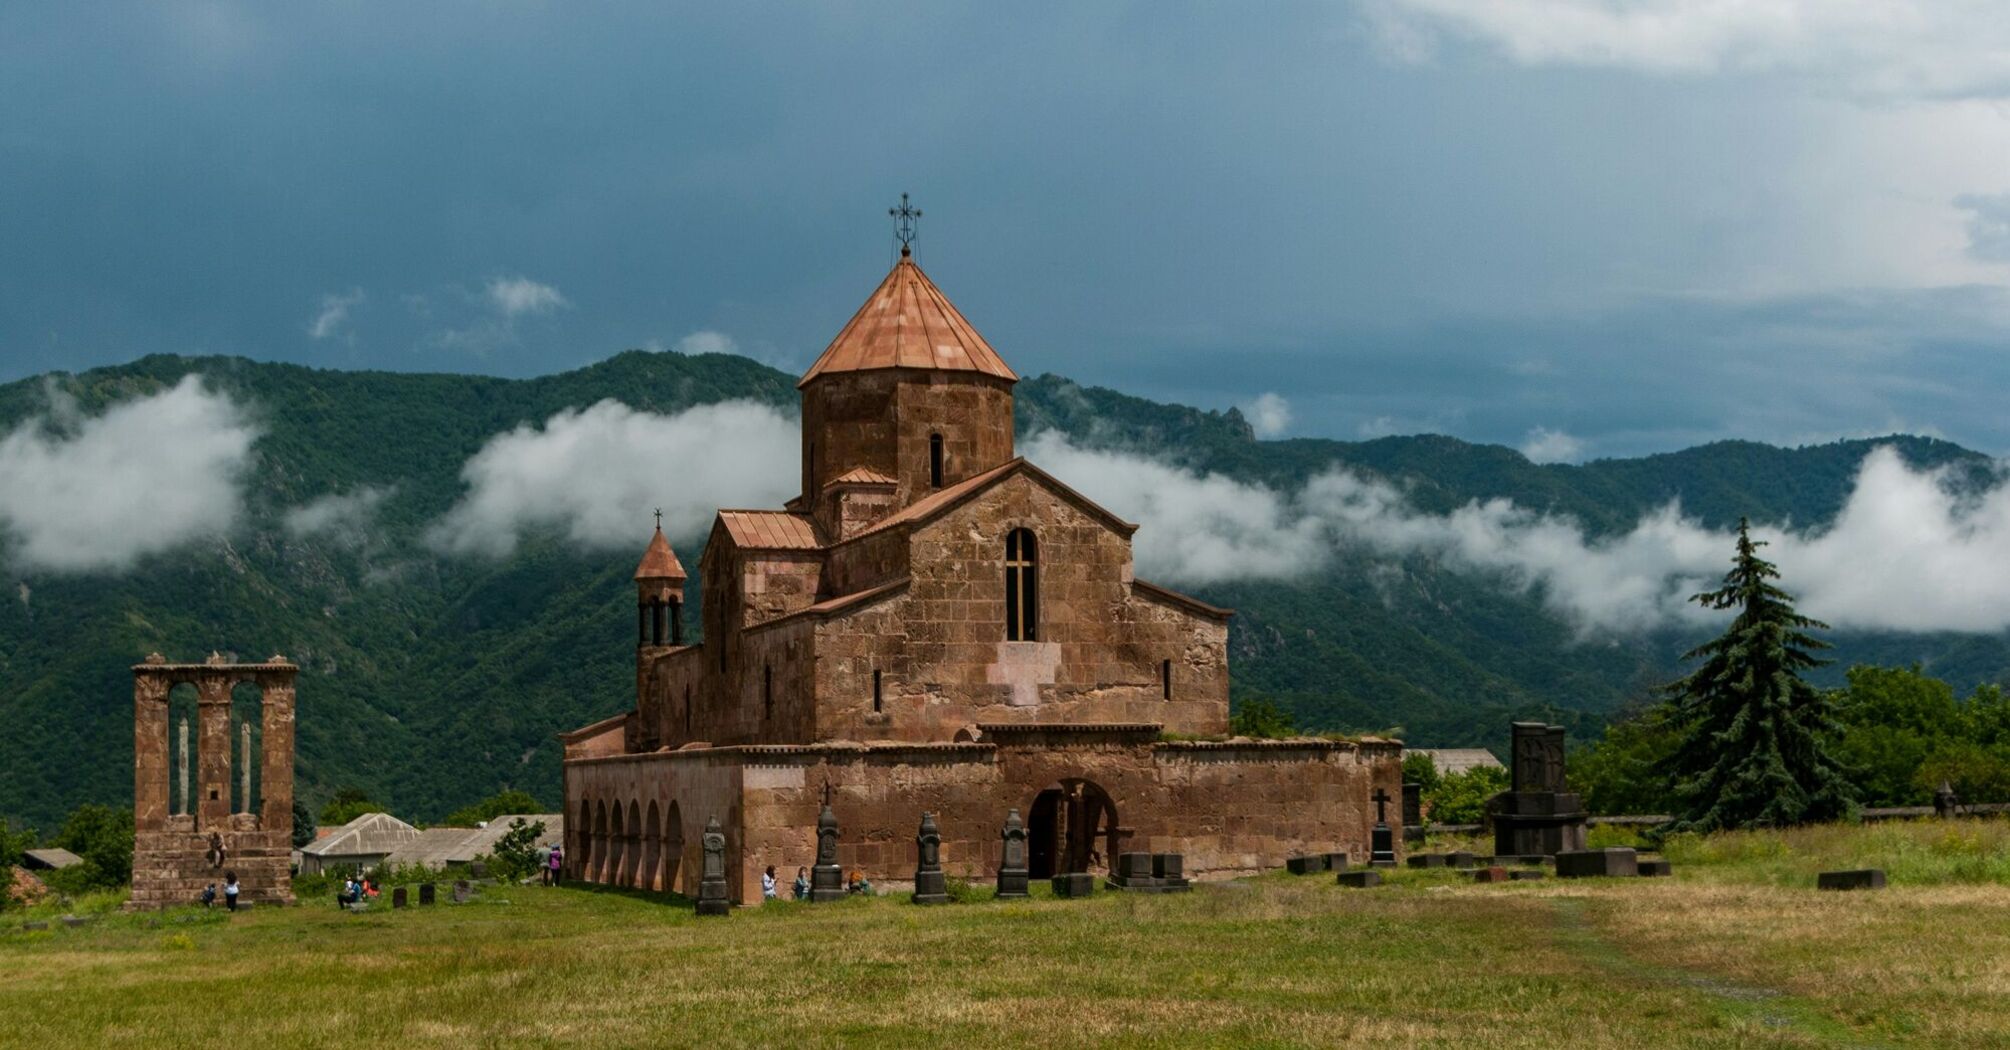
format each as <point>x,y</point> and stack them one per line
<point>631,865</point>
<point>652,848</point>
<point>1071,827</point>
<point>673,848</point>
<point>579,850</point>
<point>610,861</point>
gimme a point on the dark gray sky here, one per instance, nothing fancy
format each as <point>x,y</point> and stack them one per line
<point>1586,228</point>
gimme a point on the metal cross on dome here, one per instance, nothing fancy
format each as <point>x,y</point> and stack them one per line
<point>903,223</point>
<point>659,519</point>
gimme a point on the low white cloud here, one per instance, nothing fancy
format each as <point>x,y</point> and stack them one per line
<point>346,517</point>
<point>594,475</point>
<point>515,296</point>
<point>707,342</point>
<point>1269,415</point>
<point>1543,445</point>
<point>1878,48</point>
<point>1908,552</point>
<point>148,475</point>
<point>334,313</point>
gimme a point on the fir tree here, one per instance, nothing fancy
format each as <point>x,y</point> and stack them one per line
<point>1754,734</point>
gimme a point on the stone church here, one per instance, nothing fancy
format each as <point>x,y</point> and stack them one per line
<point>937,625</point>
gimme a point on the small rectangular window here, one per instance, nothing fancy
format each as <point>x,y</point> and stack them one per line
<point>935,460</point>
<point>1165,678</point>
<point>768,692</point>
<point>875,693</point>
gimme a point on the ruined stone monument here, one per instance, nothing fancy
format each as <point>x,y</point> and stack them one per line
<point>176,852</point>
<point>1536,817</point>
<point>826,877</point>
<point>1013,876</point>
<point>930,885</point>
<point>712,878</point>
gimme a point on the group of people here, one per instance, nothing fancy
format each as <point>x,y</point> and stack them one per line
<point>550,863</point>
<point>855,883</point>
<point>229,892</point>
<point>356,890</point>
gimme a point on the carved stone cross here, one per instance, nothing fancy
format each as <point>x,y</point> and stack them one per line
<point>1381,800</point>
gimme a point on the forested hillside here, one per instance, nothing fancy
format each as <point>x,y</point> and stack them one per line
<point>431,680</point>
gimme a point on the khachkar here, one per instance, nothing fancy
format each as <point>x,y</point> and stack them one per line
<point>712,877</point>
<point>1012,872</point>
<point>178,852</point>
<point>826,878</point>
<point>931,886</point>
<point>1537,817</point>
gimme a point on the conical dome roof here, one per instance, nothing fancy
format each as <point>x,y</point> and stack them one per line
<point>909,323</point>
<point>659,562</point>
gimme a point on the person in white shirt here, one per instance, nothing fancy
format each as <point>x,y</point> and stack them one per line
<point>768,884</point>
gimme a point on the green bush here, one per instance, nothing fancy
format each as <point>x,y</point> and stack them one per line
<point>103,836</point>
<point>1260,718</point>
<point>1461,798</point>
<point>515,854</point>
<point>1421,770</point>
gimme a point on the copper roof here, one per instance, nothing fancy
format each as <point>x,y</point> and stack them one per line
<point>769,529</point>
<point>909,323</point>
<point>862,476</point>
<point>659,562</point>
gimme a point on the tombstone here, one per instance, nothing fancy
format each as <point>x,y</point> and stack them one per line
<point>1169,867</point>
<point>1536,816</point>
<point>1336,862</point>
<point>1073,884</point>
<point>1428,860</point>
<point>1311,864</point>
<point>463,890</point>
<point>1382,853</point>
<point>425,893</point>
<point>1525,875</point>
<point>1496,873</point>
<point>1945,802</point>
<point>826,878</point>
<point>1656,867</point>
<point>930,885</point>
<point>1864,879</point>
<point>1597,863</point>
<point>398,898</point>
<point>1359,879</point>
<point>712,877</point>
<point>1461,860</point>
<point>1133,872</point>
<point>478,869</point>
<point>1413,812</point>
<point>1012,874</point>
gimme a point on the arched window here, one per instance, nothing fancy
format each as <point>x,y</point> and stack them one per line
<point>1022,587</point>
<point>935,460</point>
<point>875,692</point>
<point>1165,678</point>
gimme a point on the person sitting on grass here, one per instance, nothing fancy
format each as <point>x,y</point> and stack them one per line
<point>346,896</point>
<point>858,884</point>
<point>802,884</point>
<point>768,884</point>
<point>209,895</point>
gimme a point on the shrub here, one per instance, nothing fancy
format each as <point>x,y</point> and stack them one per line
<point>1260,718</point>
<point>1461,798</point>
<point>515,855</point>
<point>103,836</point>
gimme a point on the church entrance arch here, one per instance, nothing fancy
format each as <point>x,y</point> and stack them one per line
<point>1071,827</point>
<point>673,848</point>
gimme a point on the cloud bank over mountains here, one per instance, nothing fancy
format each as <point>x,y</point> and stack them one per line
<point>1909,551</point>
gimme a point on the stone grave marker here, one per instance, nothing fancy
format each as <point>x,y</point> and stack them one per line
<point>1525,874</point>
<point>1012,874</point>
<point>1336,862</point>
<point>1413,812</point>
<point>1656,867</point>
<point>1383,851</point>
<point>1306,865</point>
<point>1462,860</point>
<point>1862,879</point>
<point>398,898</point>
<point>1537,816</point>
<point>463,890</point>
<point>478,869</point>
<point>1074,884</point>
<point>1495,873</point>
<point>1596,863</point>
<point>712,877</point>
<point>426,893</point>
<point>1169,867</point>
<point>1359,879</point>
<point>1428,860</point>
<point>930,885</point>
<point>826,878</point>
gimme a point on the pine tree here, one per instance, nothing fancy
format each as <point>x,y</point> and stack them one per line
<point>1754,733</point>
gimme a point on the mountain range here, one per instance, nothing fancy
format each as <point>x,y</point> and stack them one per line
<point>433,679</point>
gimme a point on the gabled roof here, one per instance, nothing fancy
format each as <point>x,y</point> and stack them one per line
<point>908,323</point>
<point>1457,759</point>
<point>439,847</point>
<point>659,562</point>
<point>940,502</point>
<point>54,858</point>
<point>368,835</point>
<point>769,529</point>
<point>862,476</point>
<point>1184,601</point>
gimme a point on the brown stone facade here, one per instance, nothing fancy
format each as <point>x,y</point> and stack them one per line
<point>177,853</point>
<point>935,625</point>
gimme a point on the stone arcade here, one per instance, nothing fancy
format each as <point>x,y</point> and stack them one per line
<point>936,625</point>
<point>180,848</point>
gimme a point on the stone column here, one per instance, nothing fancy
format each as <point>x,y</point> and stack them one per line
<point>150,752</point>
<point>181,767</point>
<point>275,774</point>
<point>244,766</point>
<point>212,803</point>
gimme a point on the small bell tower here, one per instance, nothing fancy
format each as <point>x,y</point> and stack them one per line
<point>659,594</point>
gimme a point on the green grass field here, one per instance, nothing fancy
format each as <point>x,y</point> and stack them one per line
<point>1737,950</point>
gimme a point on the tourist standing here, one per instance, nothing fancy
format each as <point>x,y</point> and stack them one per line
<point>768,884</point>
<point>553,865</point>
<point>802,884</point>
<point>230,890</point>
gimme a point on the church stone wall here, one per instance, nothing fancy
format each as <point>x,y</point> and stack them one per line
<point>883,419</point>
<point>940,649</point>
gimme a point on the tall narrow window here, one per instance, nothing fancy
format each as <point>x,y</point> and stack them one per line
<point>1165,678</point>
<point>875,693</point>
<point>687,711</point>
<point>1022,587</point>
<point>935,460</point>
<point>768,692</point>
